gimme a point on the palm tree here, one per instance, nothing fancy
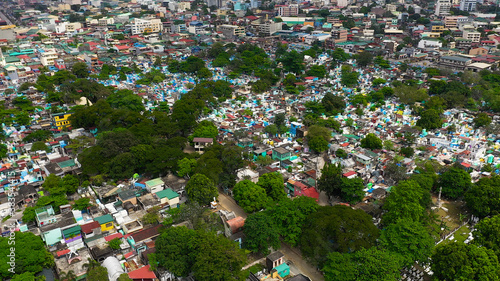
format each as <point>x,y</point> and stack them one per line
<point>67,276</point>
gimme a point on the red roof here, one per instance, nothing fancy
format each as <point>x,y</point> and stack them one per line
<point>113,236</point>
<point>236,224</point>
<point>146,233</point>
<point>128,255</point>
<point>63,252</point>
<point>345,144</point>
<point>465,165</point>
<point>142,273</point>
<point>348,174</point>
<point>87,228</point>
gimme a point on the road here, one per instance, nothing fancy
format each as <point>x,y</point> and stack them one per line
<point>227,203</point>
<point>5,18</point>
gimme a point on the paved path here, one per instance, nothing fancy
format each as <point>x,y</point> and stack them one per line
<point>291,254</point>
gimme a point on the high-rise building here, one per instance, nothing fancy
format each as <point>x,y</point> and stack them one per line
<point>140,26</point>
<point>442,8</point>
<point>468,5</point>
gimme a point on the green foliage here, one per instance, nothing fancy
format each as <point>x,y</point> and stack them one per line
<point>290,216</point>
<point>33,260</point>
<point>364,58</point>
<point>125,99</point>
<point>454,183</point>
<point>408,238</point>
<point>352,190</point>
<point>331,180</point>
<point>317,71</point>
<point>481,120</point>
<point>261,233</point>
<point>40,145</point>
<point>124,277</point>
<point>371,141</point>
<point>201,189</point>
<point>205,129</point>
<point>273,184</point>
<point>293,61</point>
<point>339,56</point>
<point>459,261</point>
<point>186,167</point>
<point>407,151</point>
<point>341,153</point>
<point>97,273</point>
<point>483,199</point>
<point>182,251</point>
<point>363,265</point>
<point>29,215</point>
<point>318,144</point>
<point>487,234</point>
<point>349,78</point>
<point>430,119</point>
<point>250,196</point>
<point>406,201</point>
<point>80,69</point>
<point>40,135</point>
<point>115,243</point>
<point>82,203</point>
<point>338,228</point>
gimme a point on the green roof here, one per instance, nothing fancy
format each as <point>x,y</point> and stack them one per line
<point>67,163</point>
<point>104,219</point>
<point>75,230</point>
<point>154,182</point>
<point>169,193</point>
<point>352,137</point>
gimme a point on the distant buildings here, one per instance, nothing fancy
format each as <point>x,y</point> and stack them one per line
<point>442,8</point>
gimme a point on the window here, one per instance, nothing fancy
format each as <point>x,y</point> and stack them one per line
<point>109,224</point>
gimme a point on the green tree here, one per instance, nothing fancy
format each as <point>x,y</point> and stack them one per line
<point>29,215</point>
<point>186,167</point>
<point>98,273</point>
<point>481,120</point>
<point>371,141</point>
<point>290,215</point>
<point>333,104</point>
<point>261,233</point>
<point>318,144</point>
<point>341,153</point>
<point>407,151</point>
<point>406,201</point>
<point>352,190</point>
<point>331,180</point>
<point>124,277</point>
<point>293,62</point>
<point>460,261</point>
<point>454,183</point>
<point>339,56</point>
<point>28,276</point>
<point>115,243</point>
<point>250,196</point>
<point>273,184</point>
<point>430,119</point>
<point>175,250</point>
<point>272,130</point>
<point>364,58</point>
<point>363,265</point>
<point>317,71</point>
<point>205,129</point>
<point>201,189</point>
<point>33,260</point>
<point>82,203</point>
<point>487,234</point>
<point>125,99</point>
<point>483,199</point>
<point>80,69</point>
<point>40,145</point>
<point>408,238</point>
<point>338,228</point>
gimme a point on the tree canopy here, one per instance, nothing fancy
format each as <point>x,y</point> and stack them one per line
<point>454,182</point>
<point>250,196</point>
<point>483,199</point>
<point>261,233</point>
<point>201,189</point>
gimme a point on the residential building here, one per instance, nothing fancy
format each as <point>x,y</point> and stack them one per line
<point>231,31</point>
<point>140,26</point>
<point>168,197</point>
<point>48,58</point>
<point>106,222</point>
<point>45,215</point>
<point>442,8</point>
<point>472,35</point>
<point>195,27</point>
<point>201,143</point>
<point>339,35</point>
<point>468,5</point>
<point>155,185</point>
<point>291,10</point>
<point>61,121</point>
<point>454,62</point>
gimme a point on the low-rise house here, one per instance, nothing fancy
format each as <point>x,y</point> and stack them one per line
<point>201,143</point>
<point>281,154</point>
<point>168,197</point>
<point>138,239</point>
<point>142,274</point>
<point>106,222</point>
<point>45,215</point>
<point>90,229</point>
<point>155,185</point>
<point>73,237</point>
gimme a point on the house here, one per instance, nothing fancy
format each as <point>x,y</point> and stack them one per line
<point>233,226</point>
<point>27,195</point>
<point>106,222</point>
<point>138,239</point>
<point>45,215</point>
<point>61,121</point>
<point>169,197</point>
<point>148,201</point>
<point>142,274</point>
<point>201,143</point>
<point>73,236</point>
<point>275,264</point>
<point>90,229</point>
<point>281,154</point>
<point>155,185</point>
<point>128,198</point>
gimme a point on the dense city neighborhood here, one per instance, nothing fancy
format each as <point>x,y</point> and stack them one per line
<point>254,140</point>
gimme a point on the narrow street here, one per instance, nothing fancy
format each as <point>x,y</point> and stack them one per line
<point>227,203</point>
